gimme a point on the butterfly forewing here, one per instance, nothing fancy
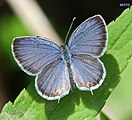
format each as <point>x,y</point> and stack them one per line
<point>34,53</point>
<point>53,82</point>
<point>90,37</point>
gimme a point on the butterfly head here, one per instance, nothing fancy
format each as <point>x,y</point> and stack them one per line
<point>66,55</point>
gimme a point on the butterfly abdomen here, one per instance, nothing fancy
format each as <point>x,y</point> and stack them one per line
<point>72,83</point>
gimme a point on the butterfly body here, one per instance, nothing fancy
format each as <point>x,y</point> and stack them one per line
<point>66,57</point>
<point>59,69</point>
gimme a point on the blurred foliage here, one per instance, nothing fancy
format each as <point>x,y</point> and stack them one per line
<point>10,27</point>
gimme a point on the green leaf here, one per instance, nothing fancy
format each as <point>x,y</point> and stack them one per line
<point>80,104</point>
<point>120,38</point>
<point>103,116</point>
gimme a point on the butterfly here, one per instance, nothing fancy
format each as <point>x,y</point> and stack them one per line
<point>59,69</point>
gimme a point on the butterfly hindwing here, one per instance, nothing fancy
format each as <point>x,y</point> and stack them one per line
<point>53,82</point>
<point>89,72</point>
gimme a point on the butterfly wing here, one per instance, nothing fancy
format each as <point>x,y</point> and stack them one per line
<point>53,82</point>
<point>90,37</point>
<point>89,72</point>
<point>34,53</point>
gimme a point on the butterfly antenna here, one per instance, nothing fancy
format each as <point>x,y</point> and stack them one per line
<point>69,29</point>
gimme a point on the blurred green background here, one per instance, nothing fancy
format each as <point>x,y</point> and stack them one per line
<point>59,14</point>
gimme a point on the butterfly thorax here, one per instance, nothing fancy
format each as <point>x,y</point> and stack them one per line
<point>65,54</point>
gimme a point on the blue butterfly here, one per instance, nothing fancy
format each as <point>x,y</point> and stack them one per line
<point>61,68</point>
